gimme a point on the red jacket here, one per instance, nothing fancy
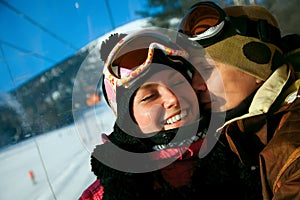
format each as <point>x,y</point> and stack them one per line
<point>93,192</point>
<point>177,174</point>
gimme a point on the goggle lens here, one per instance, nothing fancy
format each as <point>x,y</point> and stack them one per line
<point>201,18</point>
<point>134,54</point>
<point>128,61</point>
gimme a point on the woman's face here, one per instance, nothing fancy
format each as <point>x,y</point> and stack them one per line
<point>165,101</point>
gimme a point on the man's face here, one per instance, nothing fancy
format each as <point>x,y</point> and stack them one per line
<point>227,86</point>
<point>165,101</point>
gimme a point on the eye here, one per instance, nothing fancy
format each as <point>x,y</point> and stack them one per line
<point>148,97</point>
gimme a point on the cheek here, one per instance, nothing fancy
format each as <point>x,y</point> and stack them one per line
<point>148,119</point>
<point>215,84</point>
<point>217,91</point>
<point>143,119</point>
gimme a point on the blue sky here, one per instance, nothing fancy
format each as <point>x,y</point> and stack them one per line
<point>37,34</point>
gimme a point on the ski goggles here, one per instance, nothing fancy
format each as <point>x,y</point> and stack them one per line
<point>207,24</point>
<point>131,57</point>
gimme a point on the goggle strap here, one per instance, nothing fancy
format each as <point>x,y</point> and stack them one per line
<point>260,29</point>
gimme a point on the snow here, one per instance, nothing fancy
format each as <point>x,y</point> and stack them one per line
<point>60,159</point>
<point>66,156</point>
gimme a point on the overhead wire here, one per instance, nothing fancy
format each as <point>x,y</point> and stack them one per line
<point>55,36</point>
<point>7,66</point>
<point>35,142</point>
<point>46,30</point>
<point>37,55</point>
<point>111,19</point>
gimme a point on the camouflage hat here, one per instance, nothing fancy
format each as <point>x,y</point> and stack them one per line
<point>255,47</point>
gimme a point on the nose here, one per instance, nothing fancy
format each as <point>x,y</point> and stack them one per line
<point>198,83</point>
<point>169,99</point>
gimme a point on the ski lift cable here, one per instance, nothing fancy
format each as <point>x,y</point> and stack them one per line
<point>35,142</point>
<point>7,66</point>
<point>44,167</point>
<point>110,14</point>
<point>27,51</point>
<point>21,14</point>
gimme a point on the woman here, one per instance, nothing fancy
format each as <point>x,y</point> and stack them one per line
<point>153,151</point>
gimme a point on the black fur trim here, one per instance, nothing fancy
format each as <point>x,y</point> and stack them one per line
<point>219,174</point>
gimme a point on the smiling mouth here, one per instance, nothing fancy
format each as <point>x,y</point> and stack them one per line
<point>176,118</point>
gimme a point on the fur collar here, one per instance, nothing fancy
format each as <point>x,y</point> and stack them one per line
<point>220,170</point>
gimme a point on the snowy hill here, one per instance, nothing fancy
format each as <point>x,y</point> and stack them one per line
<point>47,102</point>
<point>59,157</point>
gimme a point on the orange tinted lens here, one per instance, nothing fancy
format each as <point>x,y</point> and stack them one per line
<point>199,19</point>
<point>131,59</point>
<point>134,53</point>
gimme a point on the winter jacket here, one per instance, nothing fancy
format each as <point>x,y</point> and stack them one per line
<point>268,137</point>
<point>93,192</point>
<point>256,157</point>
<point>220,174</point>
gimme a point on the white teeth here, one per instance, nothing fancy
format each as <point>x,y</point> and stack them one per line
<point>177,117</point>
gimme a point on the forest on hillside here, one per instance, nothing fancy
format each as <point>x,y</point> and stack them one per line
<point>45,102</point>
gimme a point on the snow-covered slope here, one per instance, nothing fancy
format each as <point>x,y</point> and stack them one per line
<point>59,159</point>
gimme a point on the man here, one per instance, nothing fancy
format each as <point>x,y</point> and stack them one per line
<point>261,87</point>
